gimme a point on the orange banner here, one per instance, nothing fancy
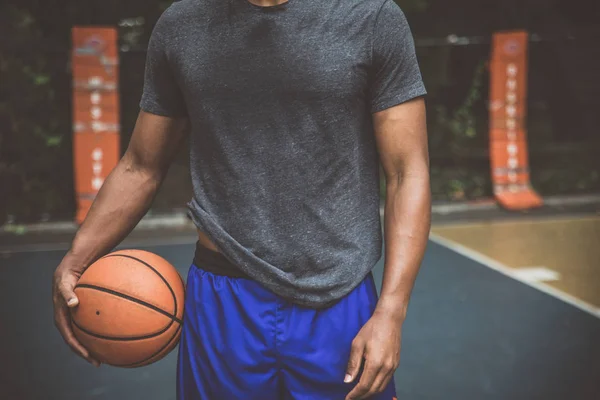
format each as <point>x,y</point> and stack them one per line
<point>95,66</point>
<point>508,113</point>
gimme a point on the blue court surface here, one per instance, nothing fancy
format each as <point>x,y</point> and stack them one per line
<point>472,333</point>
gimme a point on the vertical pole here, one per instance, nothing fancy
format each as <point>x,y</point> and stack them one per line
<point>95,111</point>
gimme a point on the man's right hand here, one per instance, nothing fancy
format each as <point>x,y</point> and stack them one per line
<point>125,196</point>
<point>65,278</point>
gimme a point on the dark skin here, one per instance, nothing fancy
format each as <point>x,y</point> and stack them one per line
<point>129,190</point>
<point>123,200</point>
<point>127,194</point>
<point>401,135</point>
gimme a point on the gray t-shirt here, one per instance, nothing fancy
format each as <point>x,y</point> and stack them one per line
<point>283,157</point>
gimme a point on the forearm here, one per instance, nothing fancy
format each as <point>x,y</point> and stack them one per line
<point>406,230</point>
<point>124,198</point>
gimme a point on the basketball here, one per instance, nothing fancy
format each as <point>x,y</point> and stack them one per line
<point>130,308</point>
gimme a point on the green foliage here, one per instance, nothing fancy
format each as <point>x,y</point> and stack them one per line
<point>36,175</point>
<point>33,124</point>
<point>455,132</point>
<point>460,125</point>
<point>15,229</point>
<point>459,183</point>
<point>564,175</point>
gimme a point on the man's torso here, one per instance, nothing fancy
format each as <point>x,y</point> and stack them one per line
<point>283,156</point>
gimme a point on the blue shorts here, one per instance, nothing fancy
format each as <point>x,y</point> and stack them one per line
<point>241,341</point>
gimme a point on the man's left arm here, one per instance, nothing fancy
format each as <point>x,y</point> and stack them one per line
<point>401,135</point>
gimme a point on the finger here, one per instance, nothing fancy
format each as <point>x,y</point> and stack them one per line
<point>375,385</point>
<point>68,294</point>
<point>382,380</point>
<point>62,320</point>
<point>366,381</point>
<point>63,323</point>
<point>355,361</point>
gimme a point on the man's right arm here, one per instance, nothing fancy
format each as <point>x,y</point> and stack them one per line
<point>123,200</point>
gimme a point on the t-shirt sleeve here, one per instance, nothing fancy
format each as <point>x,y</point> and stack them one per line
<point>396,77</point>
<point>161,95</point>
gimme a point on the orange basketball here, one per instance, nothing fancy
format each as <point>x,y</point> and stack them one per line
<point>130,308</point>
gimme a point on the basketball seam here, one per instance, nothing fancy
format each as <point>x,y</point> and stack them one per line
<point>173,317</point>
<point>122,338</point>
<point>156,272</point>
<point>130,298</point>
<point>139,363</point>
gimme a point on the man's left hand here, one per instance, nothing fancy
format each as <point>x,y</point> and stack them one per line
<point>378,346</point>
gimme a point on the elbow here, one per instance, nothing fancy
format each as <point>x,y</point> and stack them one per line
<point>409,186</point>
<point>416,173</point>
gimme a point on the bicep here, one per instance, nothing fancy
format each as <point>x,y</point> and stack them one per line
<point>155,141</point>
<point>401,136</point>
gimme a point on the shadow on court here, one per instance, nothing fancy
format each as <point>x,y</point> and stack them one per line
<point>471,334</point>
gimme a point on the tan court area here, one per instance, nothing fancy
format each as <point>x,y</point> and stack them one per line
<point>562,252</point>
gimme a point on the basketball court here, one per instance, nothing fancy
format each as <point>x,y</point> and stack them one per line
<point>502,309</point>
<point>507,304</point>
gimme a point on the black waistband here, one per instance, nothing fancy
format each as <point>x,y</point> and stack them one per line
<point>216,263</point>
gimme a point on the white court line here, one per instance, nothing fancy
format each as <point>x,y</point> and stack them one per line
<point>510,272</point>
<point>537,274</point>
<point>460,249</point>
<point>64,246</point>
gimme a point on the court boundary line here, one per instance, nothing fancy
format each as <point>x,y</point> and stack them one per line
<point>505,270</point>
<point>436,238</point>
<point>518,220</point>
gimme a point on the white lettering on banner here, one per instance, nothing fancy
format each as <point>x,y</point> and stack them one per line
<point>97,179</point>
<point>511,70</point>
<point>97,183</point>
<point>96,85</point>
<point>96,112</point>
<point>97,168</point>
<point>97,154</point>
<point>95,81</point>
<point>98,126</point>
<point>95,98</point>
<point>511,111</point>
<point>496,105</point>
<point>105,87</point>
<point>79,126</point>
<point>511,123</point>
